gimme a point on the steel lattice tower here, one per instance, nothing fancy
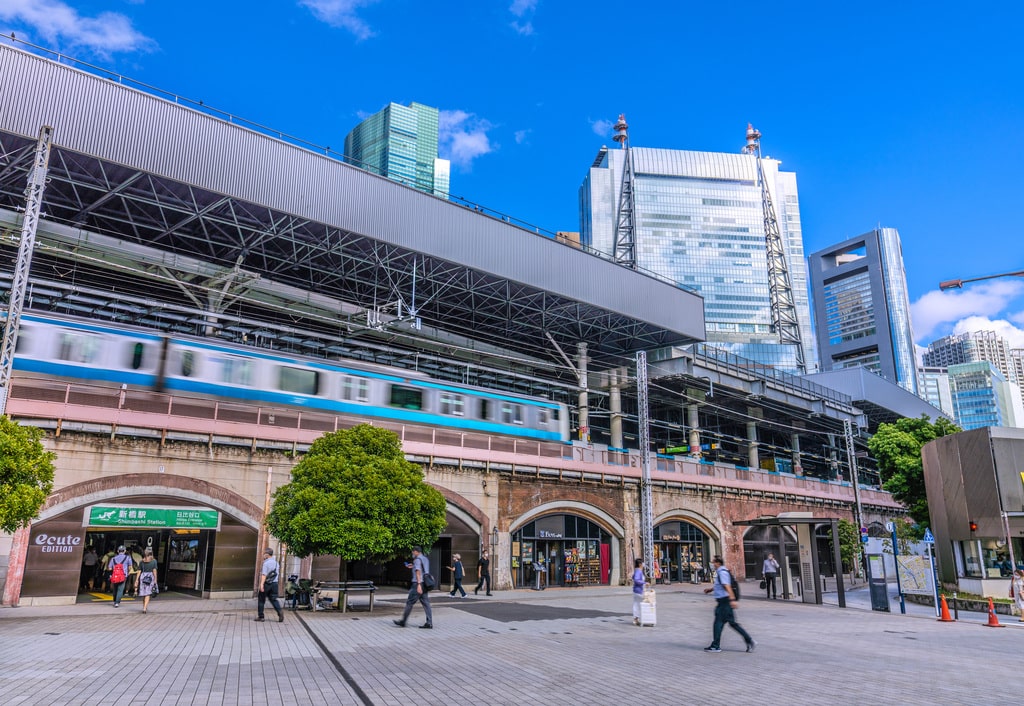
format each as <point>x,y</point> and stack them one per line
<point>646,501</point>
<point>624,250</point>
<point>29,223</point>
<point>780,286</point>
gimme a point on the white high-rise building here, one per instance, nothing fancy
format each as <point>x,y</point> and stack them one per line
<point>698,220</point>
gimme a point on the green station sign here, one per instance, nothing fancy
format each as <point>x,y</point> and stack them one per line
<point>152,517</point>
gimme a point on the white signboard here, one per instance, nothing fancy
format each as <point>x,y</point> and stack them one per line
<point>915,574</point>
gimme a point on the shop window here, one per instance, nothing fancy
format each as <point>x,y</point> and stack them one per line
<point>972,560</point>
<point>406,397</point>
<point>298,380</point>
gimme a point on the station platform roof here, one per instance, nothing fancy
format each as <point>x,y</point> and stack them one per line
<point>152,200</point>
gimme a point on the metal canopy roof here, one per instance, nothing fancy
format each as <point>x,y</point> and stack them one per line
<point>152,173</point>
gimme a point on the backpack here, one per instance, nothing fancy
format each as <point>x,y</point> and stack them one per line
<point>733,583</point>
<point>117,574</point>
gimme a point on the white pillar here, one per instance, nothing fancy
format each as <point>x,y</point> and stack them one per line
<point>752,445</point>
<point>615,407</point>
<point>798,467</point>
<point>694,425</point>
<point>583,407</point>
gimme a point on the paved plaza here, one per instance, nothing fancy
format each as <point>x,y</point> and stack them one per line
<point>568,646</point>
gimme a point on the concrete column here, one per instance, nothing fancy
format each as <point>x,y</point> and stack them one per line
<point>798,468</point>
<point>615,407</point>
<point>752,460</point>
<point>583,407</point>
<point>694,425</point>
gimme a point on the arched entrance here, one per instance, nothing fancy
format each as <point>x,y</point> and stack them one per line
<point>203,537</point>
<point>575,550</point>
<point>683,551</point>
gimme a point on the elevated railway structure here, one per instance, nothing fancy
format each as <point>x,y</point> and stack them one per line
<point>162,214</point>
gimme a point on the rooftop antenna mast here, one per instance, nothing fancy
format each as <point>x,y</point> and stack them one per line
<point>625,224</point>
<point>785,323</point>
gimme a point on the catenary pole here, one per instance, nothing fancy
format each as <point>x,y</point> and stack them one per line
<point>19,284</point>
<point>646,502</point>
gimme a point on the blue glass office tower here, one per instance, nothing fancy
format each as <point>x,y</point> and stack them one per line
<point>400,142</point>
<point>698,221</point>
<point>862,309</point>
<point>981,396</point>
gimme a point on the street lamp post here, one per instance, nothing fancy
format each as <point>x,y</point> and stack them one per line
<point>959,283</point>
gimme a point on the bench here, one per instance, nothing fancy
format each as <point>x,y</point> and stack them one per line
<point>344,588</point>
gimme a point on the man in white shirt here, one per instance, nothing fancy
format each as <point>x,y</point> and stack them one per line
<point>769,571</point>
<point>418,593</point>
<point>268,586</point>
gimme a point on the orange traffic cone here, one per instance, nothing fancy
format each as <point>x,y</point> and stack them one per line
<point>945,612</point>
<point>993,621</point>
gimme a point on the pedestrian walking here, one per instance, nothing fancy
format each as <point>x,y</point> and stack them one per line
<point>269,574</point>
<point>419,592</point>
<point>458,573</point>
<point>104,570</point>
<point>769,571</point>
<point>147,578</point>
<point>133,573</point>
<point>638,589</point>
<point>483,574</point>
<point>89,563</point>
<point>120,564</point>
<point>725,605</point>
<point>1017,592</point>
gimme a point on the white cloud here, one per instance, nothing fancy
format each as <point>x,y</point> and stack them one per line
<point>602,127</point>
<point>1002,327</point>
<point>462,137</point>
<point>521,136</point>
<point>55,21</point>
<point>341,13</point>
<point>936,309</point>
<point>523,11</point>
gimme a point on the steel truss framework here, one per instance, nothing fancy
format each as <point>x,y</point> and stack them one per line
<point>179,219</point>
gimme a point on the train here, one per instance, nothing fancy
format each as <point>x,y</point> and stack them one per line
<point>72,349</point>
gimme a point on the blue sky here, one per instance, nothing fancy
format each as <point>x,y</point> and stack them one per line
<point>907,115</point>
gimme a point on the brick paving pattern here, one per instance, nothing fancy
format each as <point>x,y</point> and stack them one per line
<point>562,646</point>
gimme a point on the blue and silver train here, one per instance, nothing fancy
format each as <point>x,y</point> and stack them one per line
<point>107,353</point>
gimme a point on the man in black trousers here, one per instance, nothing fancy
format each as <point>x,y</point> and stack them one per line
<point>483,572</point>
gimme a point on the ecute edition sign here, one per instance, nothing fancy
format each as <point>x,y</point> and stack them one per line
<point>152,517</point>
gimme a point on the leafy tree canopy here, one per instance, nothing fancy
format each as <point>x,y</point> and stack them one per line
<point>26,474</point>
<point>849,545</point>
<point>897,449</point>
<point>355,496</point>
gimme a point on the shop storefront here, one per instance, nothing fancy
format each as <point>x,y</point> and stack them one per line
<point>683,552</point>
<point>198,549</point>
<point>574,551</point>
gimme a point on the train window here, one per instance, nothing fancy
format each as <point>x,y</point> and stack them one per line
<point>138,355</point>
<point>406,397</point>
<point>451,404</point>
<point>78,347</point>
<point>298,380</point>
<point>21,345</point>
<point>235,371</point>
<point>355,389</point>
<point>485,409</point>
<point>511,413</point>
<point>542,415</point>
<point>188,364</point>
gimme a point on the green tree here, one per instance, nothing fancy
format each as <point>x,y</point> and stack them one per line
<point>897,450</point>
<point>355,496</point>
<point>849,545</point>
<point>26,474</point>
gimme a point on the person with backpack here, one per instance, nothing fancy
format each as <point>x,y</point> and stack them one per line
<point>119,566</point>
<point>268,586</point>
<point>147,578</point>
<point>422,583</point>
<point>726,592</point>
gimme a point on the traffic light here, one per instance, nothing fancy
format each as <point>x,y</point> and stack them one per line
<point>974,526</point>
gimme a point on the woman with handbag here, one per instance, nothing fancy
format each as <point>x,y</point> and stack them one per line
<point>147,578</point>
<point>1017,592</point>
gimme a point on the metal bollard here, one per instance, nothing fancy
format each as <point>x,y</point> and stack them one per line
<point>956,608</point>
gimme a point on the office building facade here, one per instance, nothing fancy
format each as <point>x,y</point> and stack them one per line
<point>981,396</point>
<point>933,388</point>
<point>401,142</point>
<point>862,308</point>
<point>698,220</point>
<point>978,346</point>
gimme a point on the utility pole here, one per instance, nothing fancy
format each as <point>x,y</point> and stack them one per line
<point>624,242</point>
<point>780,285</point>
<point>852,458</point>
<point>19,284</point>
<point>646,501</point>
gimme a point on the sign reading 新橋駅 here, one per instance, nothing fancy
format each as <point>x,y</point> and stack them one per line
<point>152,517</point>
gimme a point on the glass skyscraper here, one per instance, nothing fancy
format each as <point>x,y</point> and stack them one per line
<point>699,221</point>
<point>981,396</point>
<point>862,308</point>
<point>400,142</point>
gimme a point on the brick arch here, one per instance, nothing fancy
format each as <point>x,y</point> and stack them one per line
<point>455,500</point>
<point>108,487</point>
